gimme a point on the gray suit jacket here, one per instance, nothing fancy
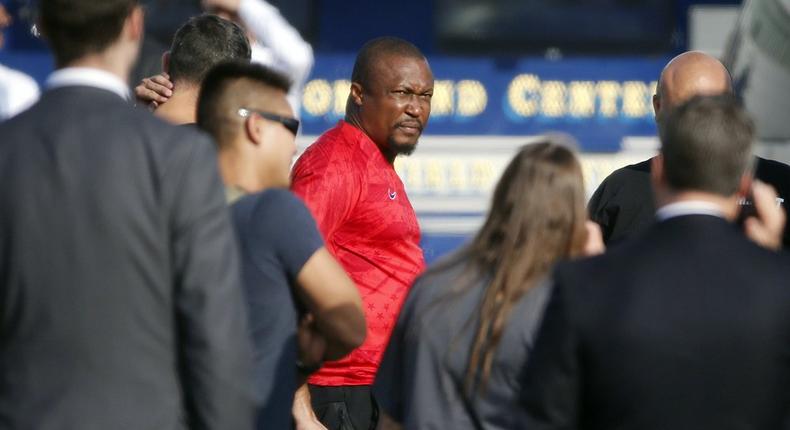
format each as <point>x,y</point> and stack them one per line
<point>120,296</point>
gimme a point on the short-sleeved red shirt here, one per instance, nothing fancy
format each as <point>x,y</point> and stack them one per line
<point>370,227</point>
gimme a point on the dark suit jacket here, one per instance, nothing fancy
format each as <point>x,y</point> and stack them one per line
<point>120,296</point>
<point>623,204</point>
<point>684,327</point>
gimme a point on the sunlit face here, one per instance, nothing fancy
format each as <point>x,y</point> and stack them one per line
<point>395,108</point>
<point>278,144</point>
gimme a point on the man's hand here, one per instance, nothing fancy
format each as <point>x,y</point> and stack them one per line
<point>594,245</point>
<point>226,5</point>
<point>302,411</point>
<point>154,91</point>
<point>312,344</point>
<point>766,228</point>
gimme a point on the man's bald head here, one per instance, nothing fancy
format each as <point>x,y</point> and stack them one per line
<point>687,75</point>
<point>374,52</point>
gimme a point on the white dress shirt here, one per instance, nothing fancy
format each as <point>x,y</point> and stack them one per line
<point>88,77</point>
<point>691,207</point>
<point>18,92</point>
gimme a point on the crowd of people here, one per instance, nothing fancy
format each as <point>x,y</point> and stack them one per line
<point>170,270</point>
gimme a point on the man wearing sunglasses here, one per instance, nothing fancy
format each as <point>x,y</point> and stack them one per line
<point>290,279</point>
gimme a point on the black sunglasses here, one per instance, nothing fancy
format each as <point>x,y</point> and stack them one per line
<point>292,124</point>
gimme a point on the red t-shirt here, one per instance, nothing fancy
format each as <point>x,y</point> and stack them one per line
<point>370,227</point>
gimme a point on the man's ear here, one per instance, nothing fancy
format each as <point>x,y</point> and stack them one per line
<point>745,185</point>
<point>166,62</point>
<point>356,93</point>
<point>657,171</point>
<point>135,27</point>
<point>656,104</point>
<point>254,129</point>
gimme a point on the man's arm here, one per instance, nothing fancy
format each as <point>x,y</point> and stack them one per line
<point>214,348</point>
<point>331,296</point>
<point>599,212</point>
<point>320,284</point>
<point>292,54</point>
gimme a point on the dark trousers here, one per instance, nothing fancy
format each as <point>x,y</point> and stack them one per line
<point>345,408</point>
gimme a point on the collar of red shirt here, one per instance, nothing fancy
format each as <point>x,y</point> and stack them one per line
<point>357,135</point>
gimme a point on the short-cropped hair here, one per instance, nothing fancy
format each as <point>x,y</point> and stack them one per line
<point>75,28</point>
<point>203,42</point>
<point>218,102</point>
<point>707,145</point>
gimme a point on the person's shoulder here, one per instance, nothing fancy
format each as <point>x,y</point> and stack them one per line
<point>279,200</point>
<point>774,173</point>
<point>440,280</point>
<point>589,268</point>
<point>627,173</point>
<point>599,272</point>
<point>275,208</point>
<point>332,154</point>
<point>772,165</point>
<point>172,137</point>
<point>760,259</point>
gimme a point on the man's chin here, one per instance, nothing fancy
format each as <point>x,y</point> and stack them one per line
<point>402,148</point>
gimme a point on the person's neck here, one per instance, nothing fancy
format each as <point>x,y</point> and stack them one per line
<point>107,62</point>
<point>353,118</point>
<point>237,171</point>
<point>727,205</point>
<point>181,108</point>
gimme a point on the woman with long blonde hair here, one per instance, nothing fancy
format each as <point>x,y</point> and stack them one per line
<point>467,327</point>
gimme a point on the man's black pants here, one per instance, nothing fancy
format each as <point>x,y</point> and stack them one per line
<point>345,408</point>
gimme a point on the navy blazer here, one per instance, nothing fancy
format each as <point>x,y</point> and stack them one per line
<point>685,327</point>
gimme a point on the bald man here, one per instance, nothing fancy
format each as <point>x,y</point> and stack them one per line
<point>624,204</point>
<point>348,180</point>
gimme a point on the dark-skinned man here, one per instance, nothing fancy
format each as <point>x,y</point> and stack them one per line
<point>623,203</point>
<point>348,180</point>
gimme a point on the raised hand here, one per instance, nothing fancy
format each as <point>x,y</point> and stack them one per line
<point>154,91</point>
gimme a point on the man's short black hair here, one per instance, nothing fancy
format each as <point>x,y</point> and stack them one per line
<point>707,145</point>
<point>374,50</point>
<point>203,42</point>
<point>75,28</point>
<point>217,103</point>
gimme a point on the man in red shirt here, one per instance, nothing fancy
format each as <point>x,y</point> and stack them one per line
<point>348,181</point>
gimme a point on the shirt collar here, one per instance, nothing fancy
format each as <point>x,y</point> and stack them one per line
<point>88,77</point>
<point>690,207</point>
<point>233,193</point>
<point>361,138</point>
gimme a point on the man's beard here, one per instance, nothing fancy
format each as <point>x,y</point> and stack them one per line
<point>394,148</point>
